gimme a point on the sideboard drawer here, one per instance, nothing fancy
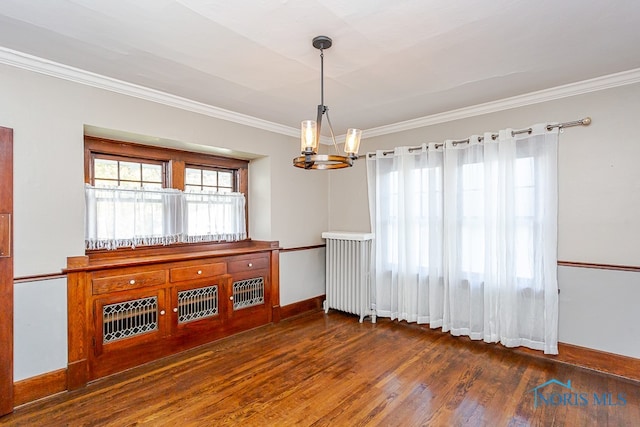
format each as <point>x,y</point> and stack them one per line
<point>249,264</point>
<point>179,274</point>
<point>103,285</point>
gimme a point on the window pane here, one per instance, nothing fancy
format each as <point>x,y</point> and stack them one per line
<point>130,171</point>
<point>193,177</point>
<point>224,190</point>
<point>107,169</point>
<point>524,202</point>
<point>225,179</point>
<point>524,172</point>
<point>192,188</point>
<point>209,178</point>
<point>151,173</point>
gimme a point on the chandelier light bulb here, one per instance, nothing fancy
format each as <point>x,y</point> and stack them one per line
<point>352,141</point>
<point>309,143</point>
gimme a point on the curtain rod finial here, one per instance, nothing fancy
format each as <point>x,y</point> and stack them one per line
<point>586,121</point>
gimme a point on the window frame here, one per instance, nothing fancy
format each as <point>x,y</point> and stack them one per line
<point>175,161</point>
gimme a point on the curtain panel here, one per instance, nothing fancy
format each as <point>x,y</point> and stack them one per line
<point>117,217</point>
<point>466,236</point>
<point>214,217</point>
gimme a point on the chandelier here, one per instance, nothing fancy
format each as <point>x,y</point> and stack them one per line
<point>310,130</point>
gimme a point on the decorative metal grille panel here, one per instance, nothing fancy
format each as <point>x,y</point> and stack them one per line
<point>129,318</point>
<point>195,304</point>
<point>247,293</point>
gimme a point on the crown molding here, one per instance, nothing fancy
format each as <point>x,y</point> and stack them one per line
<point>76,75</point>
<point>65,72</point>
<point>564,91</point>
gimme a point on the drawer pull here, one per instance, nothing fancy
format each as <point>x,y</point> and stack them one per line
<point>162,312</point>
<point>250,265</point>
<point>231,298</point>
<point>199,271</point>
<point>175,310</point>
<point>132,282</point>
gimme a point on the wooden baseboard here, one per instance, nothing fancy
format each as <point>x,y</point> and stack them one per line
<point>597,360</point>
<point>311,304</point>
<point>40,386</point>
<point>583,357</point>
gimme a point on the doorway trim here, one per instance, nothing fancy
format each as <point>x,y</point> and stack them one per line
<point>6,270</point>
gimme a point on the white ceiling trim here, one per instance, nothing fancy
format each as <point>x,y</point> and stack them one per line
<point>65,72</point>
<point>54,69</point>
<point>565,91</point>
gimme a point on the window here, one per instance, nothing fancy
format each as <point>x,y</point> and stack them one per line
<point>472,222</point>
<point>131,173</point>
<point>485,228</point>
<point>410,198</point>
<point>209,180</point>
<point>141,195</point>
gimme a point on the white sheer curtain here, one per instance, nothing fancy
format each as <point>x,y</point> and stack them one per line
<point>466,236</point>
<point>120,217</point>
<point>405,201</point>
<point>126,217</point>
<point>215,217</point>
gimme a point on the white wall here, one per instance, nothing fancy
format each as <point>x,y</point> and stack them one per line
<point>599,205</point>
<point>48,116</point>
<point>299,274</point>
<point>598,309</point>
<point>40,327</point>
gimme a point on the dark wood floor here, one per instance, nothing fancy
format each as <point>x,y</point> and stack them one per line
<point>321,370</point>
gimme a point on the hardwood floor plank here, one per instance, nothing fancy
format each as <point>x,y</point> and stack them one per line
<point>330,370</point>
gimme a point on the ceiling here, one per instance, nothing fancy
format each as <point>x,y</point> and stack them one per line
<point>391,61</point>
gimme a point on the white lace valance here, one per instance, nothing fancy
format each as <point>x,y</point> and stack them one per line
<point>124,217</point>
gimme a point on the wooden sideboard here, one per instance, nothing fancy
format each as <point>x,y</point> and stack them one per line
<point>126,308</point>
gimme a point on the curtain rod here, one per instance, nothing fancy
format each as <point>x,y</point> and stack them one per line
<point>582,122</point>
